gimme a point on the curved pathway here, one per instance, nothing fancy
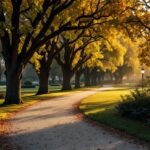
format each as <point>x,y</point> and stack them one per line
<point>52,125</point>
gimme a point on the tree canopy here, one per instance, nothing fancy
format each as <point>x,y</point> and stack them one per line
<point>87,32</point>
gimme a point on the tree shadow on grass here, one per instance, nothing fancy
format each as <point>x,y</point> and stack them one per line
<point>107,114</point>
<point>95,105</point>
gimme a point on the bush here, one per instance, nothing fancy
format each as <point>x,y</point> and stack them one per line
<point>28,83</point>
<point>136,105</point>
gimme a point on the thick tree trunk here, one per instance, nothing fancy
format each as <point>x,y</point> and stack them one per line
<point>87,77</point>
<point>43,75</point>
<point>67,75</point>
<point>94,80</point>
<point>0,76</point>
<point>77,79</point>
<point>94,77</point>
<point>87,82</point>
<point>43,81</point>
<point>13,89</point>
<point>0,72</point>
<point>118,79</point>
<point>111,76</point>
<point>99,79</point>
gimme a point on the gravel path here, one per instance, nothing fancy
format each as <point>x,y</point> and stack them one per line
<point>52,125</point>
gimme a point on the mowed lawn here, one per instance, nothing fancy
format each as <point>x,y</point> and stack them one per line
<point>101,107</point>
<point>29,98</point>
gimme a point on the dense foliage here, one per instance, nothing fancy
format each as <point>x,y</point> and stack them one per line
<point>35,31</point>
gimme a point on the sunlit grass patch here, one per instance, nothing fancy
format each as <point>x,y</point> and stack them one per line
<point>102,101</point>
<point>101,107</point>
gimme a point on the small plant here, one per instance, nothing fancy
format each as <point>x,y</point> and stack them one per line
<point>28,83</point>
<point>136,105</point>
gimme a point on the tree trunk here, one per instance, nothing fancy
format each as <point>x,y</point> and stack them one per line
<point>111,77</point>
<point>94,80</point>
<point>0,72</point>
<point>99,79</point>
<point>43,75</point>
<point>0,76</point>
<point>87,82</point>
<point>13,89</point>
<point>77,79</point>
<point>67,75</point>
<point>87,77</point>
<point>43,81</point>
<point>118,79</point>
<point>94,77</point>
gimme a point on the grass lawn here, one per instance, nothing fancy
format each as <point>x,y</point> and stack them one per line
<point>101,107</point>
<point>29,98</point>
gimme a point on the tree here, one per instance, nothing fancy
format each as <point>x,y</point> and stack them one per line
<point>137,27</point>
<point>27,24</point>
<point>111,54</point>
<point>73,13</point>
<point>45,65</point>
<point>144,51</point>
<point>75,54</point>
<point>2,68</point>
<point>1,64</point>
<point>24,43</point>
<point>130,65</point>
<point>78,74</point>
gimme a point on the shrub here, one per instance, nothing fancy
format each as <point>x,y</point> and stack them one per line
<point>28,83</point>
<point>136,105</point>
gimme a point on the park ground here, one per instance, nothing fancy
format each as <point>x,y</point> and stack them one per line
<point>54,125</point>
<point>102,108</point>
<point>29,98</point>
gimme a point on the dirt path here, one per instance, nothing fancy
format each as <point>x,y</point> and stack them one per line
<point>52,125</point>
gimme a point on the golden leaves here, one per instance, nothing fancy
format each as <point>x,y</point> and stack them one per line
<point>35,61</point>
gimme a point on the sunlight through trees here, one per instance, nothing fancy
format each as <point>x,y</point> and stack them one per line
<point>86,37</point>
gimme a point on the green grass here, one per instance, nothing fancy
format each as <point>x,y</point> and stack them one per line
<point>101,107</point>
<point>29,98</point>
<point>32,90</point>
